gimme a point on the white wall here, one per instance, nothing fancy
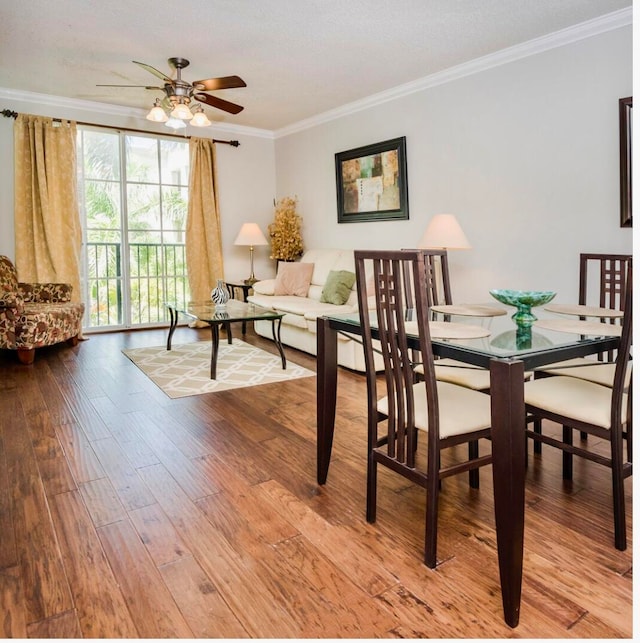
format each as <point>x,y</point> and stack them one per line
<point>525,154</point>
<point>246,178</point>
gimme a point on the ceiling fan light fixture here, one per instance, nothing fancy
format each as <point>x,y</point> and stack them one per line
<point>180,92</point>
<point>157,114</point>
<point>199,117</point>
<point>182,112</point>
<point>175,123</point>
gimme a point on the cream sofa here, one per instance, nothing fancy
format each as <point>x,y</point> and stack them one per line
<point>300,312</point>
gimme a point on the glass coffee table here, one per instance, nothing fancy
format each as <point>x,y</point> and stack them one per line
<point>234,311</point>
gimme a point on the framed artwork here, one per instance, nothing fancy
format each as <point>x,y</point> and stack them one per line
<point>371,182</point>
<point>625,110</point>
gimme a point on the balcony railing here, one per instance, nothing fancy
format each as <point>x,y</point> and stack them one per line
<point>156,272</point>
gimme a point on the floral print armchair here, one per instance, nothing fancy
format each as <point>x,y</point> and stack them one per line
<point>35,315</point>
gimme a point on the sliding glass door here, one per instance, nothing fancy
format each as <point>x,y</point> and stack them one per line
<point>133,192</point>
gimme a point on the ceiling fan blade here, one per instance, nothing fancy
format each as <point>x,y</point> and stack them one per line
<point>155,72</point>
<point>225,82</point>
<point>214,101</point>
<point>145,86</point>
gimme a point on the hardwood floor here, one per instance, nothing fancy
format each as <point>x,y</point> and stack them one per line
<point>124,513</point>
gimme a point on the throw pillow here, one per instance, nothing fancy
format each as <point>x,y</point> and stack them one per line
<point>338,287</point>
<point>293,278</point>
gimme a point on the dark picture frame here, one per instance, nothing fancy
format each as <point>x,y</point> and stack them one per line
<point>371,182</point>
<point>625,112</point>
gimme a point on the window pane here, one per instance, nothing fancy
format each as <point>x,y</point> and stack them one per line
<point>142,159</point>
<point>174,208</point>
<point>101,155</point>
<point>175,162</point>
<point>143,202</point>
<point>145,237</point>
<point>103,236</point>
<point>102,204</point>
<point>145,259</point>
<point>173,237</point>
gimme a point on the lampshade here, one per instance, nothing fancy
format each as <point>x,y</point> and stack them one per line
<point>199,117</point>
<point>250,235</point>
<point>444,231</point>
<point>182,111</point>
<point>179,113</point>
<point>175,123</point>
<point>157,114</point>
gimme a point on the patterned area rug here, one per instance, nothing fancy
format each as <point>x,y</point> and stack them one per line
<point>185,369</point>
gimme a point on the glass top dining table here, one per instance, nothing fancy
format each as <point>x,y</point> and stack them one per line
<point>507,352</point>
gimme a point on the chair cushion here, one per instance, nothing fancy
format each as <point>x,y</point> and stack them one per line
<point>449,370</point>
<point>574,398</point>
<point>473,377</point>
<point>45,324</point>
<point>586,369</point>
<point>461,409</point>
<point>45,292</point>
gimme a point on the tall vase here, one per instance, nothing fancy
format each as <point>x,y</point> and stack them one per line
<point>220,295</point>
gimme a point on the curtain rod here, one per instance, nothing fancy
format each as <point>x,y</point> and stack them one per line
<point>11,114</point>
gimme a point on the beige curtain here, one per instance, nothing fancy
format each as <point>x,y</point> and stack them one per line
<point>203,238</point>
<point>48,235</point>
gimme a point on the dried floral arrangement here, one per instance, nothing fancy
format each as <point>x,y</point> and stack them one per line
<point>286,238</point>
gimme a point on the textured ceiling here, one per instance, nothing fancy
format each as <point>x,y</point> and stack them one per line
<point>299,58</point>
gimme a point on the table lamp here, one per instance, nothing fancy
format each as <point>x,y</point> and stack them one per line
<point>444,232</point>
<point>250,235</point>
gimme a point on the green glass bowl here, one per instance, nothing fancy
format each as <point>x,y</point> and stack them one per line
<point>523,297</point>
<point>523,300</point>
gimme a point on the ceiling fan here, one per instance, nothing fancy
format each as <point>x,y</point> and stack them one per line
<point>179,93</point>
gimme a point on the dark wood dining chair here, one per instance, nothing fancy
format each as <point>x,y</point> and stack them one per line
<point>595,409</point>
<point>411,422</point>
<point>611,271</point>
<point>438,283</point>
<point>602,284</point>
<point>438,290</point>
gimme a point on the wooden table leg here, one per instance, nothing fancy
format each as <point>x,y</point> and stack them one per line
<point>215,342</point>
<point>508,441</point>
<point>326,383</point>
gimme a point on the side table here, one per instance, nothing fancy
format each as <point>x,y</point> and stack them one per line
<point>234,287</point>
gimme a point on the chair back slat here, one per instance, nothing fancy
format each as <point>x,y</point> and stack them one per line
<point>446,284</point>
<point>623,358</point>
<point>438,285</point>
<point>603,279</point>
<point>611,271</point>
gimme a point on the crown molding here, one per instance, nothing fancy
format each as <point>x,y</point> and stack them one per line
<point>587,29</point>
<point>107,109</point>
